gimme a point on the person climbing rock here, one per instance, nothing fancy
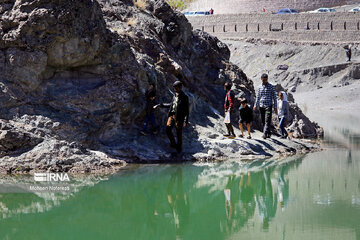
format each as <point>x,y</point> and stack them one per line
<point>283,115</point>
<point>150,96</point>
<point>266,101</point>
<point>246,117</point>
<point>229,107</point>
<point>178,115</point>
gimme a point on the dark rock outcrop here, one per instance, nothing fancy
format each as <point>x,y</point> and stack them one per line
<point>86,64</point>
<point>30,143</point>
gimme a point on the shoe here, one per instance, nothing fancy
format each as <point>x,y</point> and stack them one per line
<point>226,135</point>
<point>264,136</point>
<point>241,136</point>
<point>249,137</point>
<point>231,136</point>
<point>143,132</point>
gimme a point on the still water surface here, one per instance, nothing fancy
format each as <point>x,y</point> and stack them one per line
<point>316,196</point>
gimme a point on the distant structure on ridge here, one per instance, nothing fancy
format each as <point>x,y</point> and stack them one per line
<point>257,6</point>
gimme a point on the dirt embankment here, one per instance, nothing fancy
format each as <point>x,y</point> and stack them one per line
<point>323,83</point>
<point>298,67</point>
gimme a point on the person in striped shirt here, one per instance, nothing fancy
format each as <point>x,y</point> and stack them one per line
<point>265,102</point>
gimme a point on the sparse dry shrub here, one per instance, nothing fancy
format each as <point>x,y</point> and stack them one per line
<point>141,4</point>
<point>131,22</point>
<point>179,4</point>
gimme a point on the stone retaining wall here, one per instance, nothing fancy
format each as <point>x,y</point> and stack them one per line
<point>247,6</point>
<point>326,27</point>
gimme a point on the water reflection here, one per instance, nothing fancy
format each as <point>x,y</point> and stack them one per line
<point>341,129</point>
<point>313,197</point>
<point>258,190</point>
<point>20,200</point>
<point>178,201</point>
<point>352,138</point>
<point>239,203</point>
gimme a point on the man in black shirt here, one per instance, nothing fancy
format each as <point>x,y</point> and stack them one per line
<point>178,115</point>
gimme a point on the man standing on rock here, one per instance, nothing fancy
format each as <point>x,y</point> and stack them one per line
<point>178,115</point>
<point>265,101</point>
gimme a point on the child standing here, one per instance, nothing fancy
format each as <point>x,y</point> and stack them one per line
<point>246,117</point>
<point>229,106</point>
<point>283,113</point>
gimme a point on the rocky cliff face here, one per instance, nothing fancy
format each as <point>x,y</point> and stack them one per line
<point>73,75</point>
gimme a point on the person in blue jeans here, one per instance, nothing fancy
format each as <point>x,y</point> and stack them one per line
<point>283,113</point>
<point>150,96</point>
<point>265,102</point>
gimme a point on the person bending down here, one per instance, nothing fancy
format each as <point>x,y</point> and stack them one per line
<point>246,117</point>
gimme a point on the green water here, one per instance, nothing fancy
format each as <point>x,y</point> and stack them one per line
<point>316,196</point>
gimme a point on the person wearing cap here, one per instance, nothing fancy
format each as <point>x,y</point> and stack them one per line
<point>229,107</point>
<point>178,115</point>
<point>266,101</point>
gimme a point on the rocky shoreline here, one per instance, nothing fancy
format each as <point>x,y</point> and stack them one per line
<point>73,76</point>
<point>31,145</point>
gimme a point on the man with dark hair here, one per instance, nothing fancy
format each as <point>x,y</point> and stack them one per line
<point>265,101</point>
<point>178,115</point>
<point>229,107</point>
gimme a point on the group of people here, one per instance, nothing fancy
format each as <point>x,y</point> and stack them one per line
<point>178,115</point>
<point>266,102</point>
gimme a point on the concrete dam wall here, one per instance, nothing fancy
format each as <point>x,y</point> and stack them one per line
<point>256,6</point>
<point>317,27</point>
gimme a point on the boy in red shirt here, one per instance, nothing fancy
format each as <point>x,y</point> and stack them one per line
<point>229,107</point>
